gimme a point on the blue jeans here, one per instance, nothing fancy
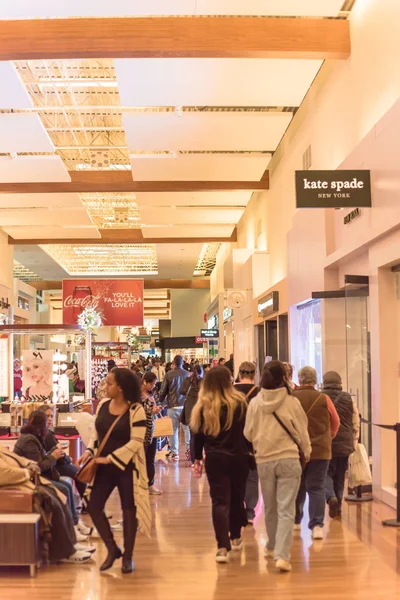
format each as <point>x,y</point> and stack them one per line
<point>175,415</point>
<point>66,488</point>
<point>251,495</point>
<point>334,485</point>
<point>313,484</point>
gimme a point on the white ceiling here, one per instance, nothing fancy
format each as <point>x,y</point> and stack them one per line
<point>168,199</point>
<point>76,216</point>
<point>22,169</point>
<point>218,131</point>
<point>200,167</point>
<point>105,8</point>
<point>52,233</point>
<point>188,231</point>
<point>214,81</point>
<point>13,93</point>
<point>23,132</point>
<point>39,200</point>
<point>183,265</point>
<point>184,216</point>
<point>39,262</point>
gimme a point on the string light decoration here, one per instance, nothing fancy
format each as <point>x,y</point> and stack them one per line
<point>90,319</point>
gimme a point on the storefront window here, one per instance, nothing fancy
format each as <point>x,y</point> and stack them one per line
<point>306,344</point>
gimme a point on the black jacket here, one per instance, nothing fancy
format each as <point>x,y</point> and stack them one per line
<point>170,389</point>
<point>230,442</point>
<point>29,446</point>
<point>343,443</point>
<point>190,389</point>
<point>249,390</point>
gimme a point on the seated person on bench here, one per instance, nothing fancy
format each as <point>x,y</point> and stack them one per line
<point>17,473</point>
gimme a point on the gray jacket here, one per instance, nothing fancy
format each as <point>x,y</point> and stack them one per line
<point>170,389</point>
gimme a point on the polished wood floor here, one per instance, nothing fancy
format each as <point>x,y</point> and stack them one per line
<point>357,560</point>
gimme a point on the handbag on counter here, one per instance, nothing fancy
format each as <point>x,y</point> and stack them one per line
<point>87,472</point>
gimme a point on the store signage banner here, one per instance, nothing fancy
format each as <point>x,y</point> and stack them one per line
<point>268,304</point>
<point>209,333</point>
<point>119,300</point>
<point>201,340</point>
<point>333,189</point>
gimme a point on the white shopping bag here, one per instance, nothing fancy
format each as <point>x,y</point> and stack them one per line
<point>359,469</point>
<point>85,426</point>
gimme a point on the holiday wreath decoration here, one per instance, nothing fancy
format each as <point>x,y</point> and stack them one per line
<point>90,319</point>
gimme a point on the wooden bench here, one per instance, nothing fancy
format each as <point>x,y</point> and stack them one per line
<point>19,535</point>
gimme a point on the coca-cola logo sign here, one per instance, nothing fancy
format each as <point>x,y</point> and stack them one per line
<point>119,300</point>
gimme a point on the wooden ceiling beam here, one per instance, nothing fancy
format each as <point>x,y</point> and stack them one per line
<point>122,236</point>
<point>121,181</point>
<point>149,284</point>
<point>176,37</point>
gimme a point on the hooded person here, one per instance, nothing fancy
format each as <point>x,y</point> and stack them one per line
<point>276,425</point>
<point>343,444</point>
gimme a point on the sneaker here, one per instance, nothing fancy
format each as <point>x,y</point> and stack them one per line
<point>78,557</point>
<point>297,527</point>
<point>85,548</point>
<point>174,457</point>
<point>222,556</point>
<point>283,566</point>
<point>269,553</point>
<point>317,533</point>
<point>153,491</point>
<point>333,507</point>
<point>117,527</point>
<point>83,529</point>
<point>250,521</point>
<point>237,544</point>
<point>79,536</point>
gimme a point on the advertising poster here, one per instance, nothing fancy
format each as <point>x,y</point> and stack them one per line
<point>37,374</point>
<point>119,300</point>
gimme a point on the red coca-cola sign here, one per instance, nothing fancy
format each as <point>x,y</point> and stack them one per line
<point>119,300</point>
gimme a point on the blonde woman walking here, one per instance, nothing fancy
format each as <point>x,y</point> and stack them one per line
<point>218,421</point>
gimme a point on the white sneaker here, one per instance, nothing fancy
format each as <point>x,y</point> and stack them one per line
<point>297,527</point>
<point>79,536</point>
<point>85,548</point>
<point>269,553</point>
<point>83,529</point>
<point>283,565</point>
<point>117,527</point>
<point>237,544</point>
<point>153,491</point>
<point>317,533</point>
<point>78,557</point>
<point>222,556</point>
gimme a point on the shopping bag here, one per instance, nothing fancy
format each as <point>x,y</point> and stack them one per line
<point>163,427</point>
<point>359,469</point>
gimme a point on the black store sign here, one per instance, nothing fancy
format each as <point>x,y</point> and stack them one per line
<point>269,304</point>
<point>209,333</point>
<point>333,189</point>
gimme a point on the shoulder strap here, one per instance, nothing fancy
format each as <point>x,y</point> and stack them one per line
<point>313,404</point>
<point>250,392</point>
<point>290,434</point>
<point>109,432</point>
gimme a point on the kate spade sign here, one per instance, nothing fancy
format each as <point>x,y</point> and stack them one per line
<point>333,189</point>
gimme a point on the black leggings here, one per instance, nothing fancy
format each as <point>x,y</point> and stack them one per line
<point>108,477</point>
<point>227,476</point>
<point>151,450</point>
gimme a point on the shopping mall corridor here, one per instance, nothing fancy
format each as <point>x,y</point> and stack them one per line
<point>358,559</point>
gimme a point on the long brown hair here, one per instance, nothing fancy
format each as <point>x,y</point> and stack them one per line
<point>274,376</point>
<point>216,393</point>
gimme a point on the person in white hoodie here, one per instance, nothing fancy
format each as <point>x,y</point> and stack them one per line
<point>276,425</point>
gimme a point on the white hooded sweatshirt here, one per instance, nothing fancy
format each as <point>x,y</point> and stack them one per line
<point>270,441</point>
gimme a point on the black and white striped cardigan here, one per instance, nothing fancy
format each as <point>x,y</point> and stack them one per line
<point>133,452</point>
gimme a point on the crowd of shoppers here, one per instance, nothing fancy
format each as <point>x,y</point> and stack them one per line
<point>292,440</point>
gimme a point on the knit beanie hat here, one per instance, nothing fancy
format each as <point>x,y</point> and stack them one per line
<point>332,377</point>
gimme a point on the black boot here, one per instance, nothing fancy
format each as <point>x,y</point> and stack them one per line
<point>130,527</point>
<point>113,554</point>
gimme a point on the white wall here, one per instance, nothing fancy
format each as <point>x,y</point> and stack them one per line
<point>187,311</point>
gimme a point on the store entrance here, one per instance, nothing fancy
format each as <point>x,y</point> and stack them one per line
<point>271,338</point>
